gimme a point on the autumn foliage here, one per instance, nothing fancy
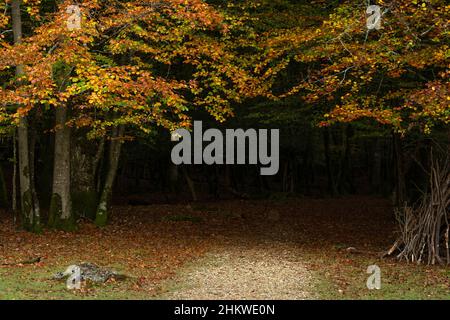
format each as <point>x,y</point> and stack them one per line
<point>137,68</point>
<point>397,75</point>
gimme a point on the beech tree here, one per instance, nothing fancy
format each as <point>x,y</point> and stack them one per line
<point>130,65</point>
<point>397,75</point>
<point>28,200</point>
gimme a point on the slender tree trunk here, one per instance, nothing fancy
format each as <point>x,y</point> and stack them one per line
<point>326,142</point>
<point>26,200</point>
<point>173,177</point>
<point>14,178</point>
<point>32,147</point>
<point>347,161</point>
<point>103,209</point>
<point>4,203</point>
<point>293,175</point>
<point>99,163</point>
<point>284,186</point>
<point>190,183</point>
<point>309,170</point>
<point>98,159</point>
<point>29,219</point>
<point>60,213</point>
<point>376,172</point>
<point>215,182</point>
<point>400,185</point>
<point>26,197</point>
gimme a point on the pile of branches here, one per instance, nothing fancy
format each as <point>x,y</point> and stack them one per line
<point>424,228</point>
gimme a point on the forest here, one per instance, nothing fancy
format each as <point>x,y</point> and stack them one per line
<point>339,163</point>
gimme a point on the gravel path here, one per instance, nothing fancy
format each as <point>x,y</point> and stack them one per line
<point>259,272</point>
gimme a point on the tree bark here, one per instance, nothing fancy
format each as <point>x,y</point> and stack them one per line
<point>347,161</point>
<point>4,203</point>
<point>99,163</point>
<point>190,183</point>
<point>400,185</point>
<point>103,209</point>
<point>84,163</point>
<point>30,221</point>
<point>14,178</point>
<point>326,142</point>
<point>173,177</point>
<point>60,214</point>
<point>32,147</point>
<point>376,172</point>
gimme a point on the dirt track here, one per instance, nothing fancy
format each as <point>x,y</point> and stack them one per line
<point>260,272</point>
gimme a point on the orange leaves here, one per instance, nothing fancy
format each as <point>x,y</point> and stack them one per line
<point>83,121</point>
<point>4,20</point>
<point>431,104</point>
<point>22,111</point>
<point>140,63</point>
<point>352,111</point>
<point>387,75</point>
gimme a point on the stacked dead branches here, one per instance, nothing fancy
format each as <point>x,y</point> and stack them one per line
<point>424,228</point>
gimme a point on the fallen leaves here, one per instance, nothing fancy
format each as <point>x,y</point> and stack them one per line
<point>142,242</point>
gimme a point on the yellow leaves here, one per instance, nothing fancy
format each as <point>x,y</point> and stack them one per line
<point>96,82</point>
<point>83,121</point>
<point>23,111</point>
<point>3,20</point>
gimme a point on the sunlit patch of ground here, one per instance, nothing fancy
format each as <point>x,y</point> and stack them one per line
<point>268,271</point>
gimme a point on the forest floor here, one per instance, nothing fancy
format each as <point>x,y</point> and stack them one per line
<point>291,248</point>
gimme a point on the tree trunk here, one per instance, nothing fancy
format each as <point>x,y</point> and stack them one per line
<point>326,142</point>
<point>400,184</point>
<point>190,183</point>
<point>284,179</point>
<point>347,161</point>
<point>26,198</point>
<point>4,203</point>
<point>99,163</point>
<point>98,159</point>
<point>30,221</point>
<point>14,178</point>
<point>60,213</point>
<point>84,162</point>
<point>376,172</point>
<point>103,209</point>
<point>32,148</point>
<point>173,177</point>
